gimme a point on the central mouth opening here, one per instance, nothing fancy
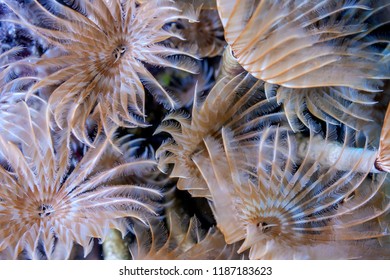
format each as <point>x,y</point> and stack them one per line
<point>45,210</point>
<point>119,51</point>
<point>268,225</point>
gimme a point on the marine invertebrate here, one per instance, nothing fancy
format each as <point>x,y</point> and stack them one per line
<point>15,76</point>
<point>313,50</point>
<point>5,99</point>
<point>382,162</point>
<point>239,104</point>
<point>273,192</point>
<point>291,207</point>
<point>303,44</point>
<point>205,35</point>
<point>46,204</point>
<point>101,51</point>
<point>337,105</point>
<point>183,85</point>
<point>194,244</point>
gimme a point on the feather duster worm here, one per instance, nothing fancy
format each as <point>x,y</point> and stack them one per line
<point>160,244</point>
<point>183,85</point>
<point>15,79</point>
<point>15,76</point>
<point>382,161</point>
<point>102,47</point>
<point>47,204</point>
<point>206,4</point>
<point>305,47</point>
<point>287,207</point>
<point>239,104</point>
<point>206,34</point>
<point>229,67</point>
<point>335,105</point>
<point>5,76</point>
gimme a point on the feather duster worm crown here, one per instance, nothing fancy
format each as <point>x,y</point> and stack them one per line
<point>382,162</point>
<point>319,57</point>
<point>239,104</point>
<point>302,44</point>
<point>15,76</point>
<point>206,34</point>
<point>287,205</point>
<point>284,153</point>
<point>46,204</point>
<point>101,47</point>
<point>193,244</point>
